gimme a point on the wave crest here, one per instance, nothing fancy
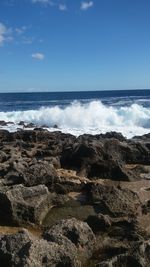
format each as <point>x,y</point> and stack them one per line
<point>86,117</point>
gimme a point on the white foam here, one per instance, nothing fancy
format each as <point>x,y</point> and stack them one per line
<point>93,118</point>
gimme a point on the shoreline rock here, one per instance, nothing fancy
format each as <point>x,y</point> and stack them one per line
<point>105,178</point>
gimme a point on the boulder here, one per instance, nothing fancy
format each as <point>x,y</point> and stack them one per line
<point>13,247</point>
<point>44,254</point>
<point>114,201</point>
<point>20,204</point>
<point>99,159</point>
<point>40,173</point>
<point>78,232</point>
<point>137,256</point>
<point>22,249</point>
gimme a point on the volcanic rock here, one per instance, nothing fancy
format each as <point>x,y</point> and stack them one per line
<point>79,233</point>
<point>21,204</point>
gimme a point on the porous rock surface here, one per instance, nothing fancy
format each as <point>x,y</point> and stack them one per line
<point>103,180</point>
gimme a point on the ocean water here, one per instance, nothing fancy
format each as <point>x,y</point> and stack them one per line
<point>96,112</point>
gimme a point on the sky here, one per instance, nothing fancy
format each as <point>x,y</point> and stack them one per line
<point>74,45</point>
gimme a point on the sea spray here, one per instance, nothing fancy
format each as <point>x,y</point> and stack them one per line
<point>93,117</point>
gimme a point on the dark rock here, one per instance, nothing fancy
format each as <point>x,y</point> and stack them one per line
<point>3,123</point>
<point>40,173</point>
<point>137,256</point>
<point>55,126</point>
<point>113,201</point>
<point>5,136</point>
<point>99,222</point>
<point>12,178</point>
<point>21,123</point>
<point>29,125</point>
<point>3,156</point>
<point>114,135</point>
<point>97,159</point>
<point>12,248</point>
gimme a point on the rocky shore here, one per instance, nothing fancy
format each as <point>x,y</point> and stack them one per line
<point>69,201</point>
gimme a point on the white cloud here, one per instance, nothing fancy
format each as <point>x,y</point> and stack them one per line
<point>62,7</point>
<point>5,34</point>
<point>86,5</point>
<point>38,56</point>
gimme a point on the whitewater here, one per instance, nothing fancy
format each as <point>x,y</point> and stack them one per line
<point>90,117</point>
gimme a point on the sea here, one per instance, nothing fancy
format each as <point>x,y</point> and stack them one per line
<point>90,112</point>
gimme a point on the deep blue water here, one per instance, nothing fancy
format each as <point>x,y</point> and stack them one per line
<point>33,101</point>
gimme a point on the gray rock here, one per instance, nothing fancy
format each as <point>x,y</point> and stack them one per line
<point>21,204</point>
<point>12,247</point>
<point>50,254</point>
<point>23,250</point>
<point>79,233</point>
<point>114,201</point>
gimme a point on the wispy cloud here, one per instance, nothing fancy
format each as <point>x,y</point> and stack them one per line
<point>5,34</point>
<point>38,56</point>
<point>27,40</point>
<point>43,2</point>
<point>52,3</point>
<point>21,30</point>
<point>62,7</point>
<point>86,5</point>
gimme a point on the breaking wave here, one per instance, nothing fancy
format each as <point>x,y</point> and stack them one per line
<point>93,117</point>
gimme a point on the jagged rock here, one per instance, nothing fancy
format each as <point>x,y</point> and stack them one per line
<point>98,159</point>
<point>113,201</point>
<point>44,254</point>
<point>12,247</point>
<point>40,173</point>
<point>99,222</point>
<point>137,256</point>
<point>21,204</point>
<point>22,249</point>
<point>3,156</point>
<point>79,233</point>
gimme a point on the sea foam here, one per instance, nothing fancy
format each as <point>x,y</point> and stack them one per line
<point>93,118</point>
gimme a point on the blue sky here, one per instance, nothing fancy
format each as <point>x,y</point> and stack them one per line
<point>66,45</point>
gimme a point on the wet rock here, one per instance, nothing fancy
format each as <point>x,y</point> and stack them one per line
<point>29,125</point>
<point>114,135</point>
<point>21,123</point>
<point>22,205</point>
<point>3,123</point>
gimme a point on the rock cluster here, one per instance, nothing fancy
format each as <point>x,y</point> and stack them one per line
<point>103,180</point>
